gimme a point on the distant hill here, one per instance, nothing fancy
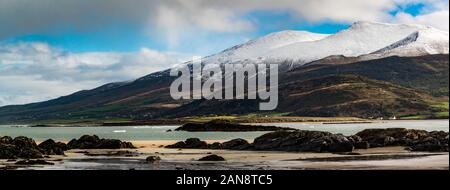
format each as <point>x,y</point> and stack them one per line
<point>369,70</point>
<point>400,86</point>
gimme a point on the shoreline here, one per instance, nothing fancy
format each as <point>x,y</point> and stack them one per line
<point>324,121</point>
<point>392,158</point>
<point>181,121</point>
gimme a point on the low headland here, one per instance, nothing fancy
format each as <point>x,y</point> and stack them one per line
<point>250,119</point>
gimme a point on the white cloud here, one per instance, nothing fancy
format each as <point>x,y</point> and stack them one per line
<point>439,20</point>
<point>434,13</point>
<point>181,19</point>
<point>35,71</point>
<point>32,72</point>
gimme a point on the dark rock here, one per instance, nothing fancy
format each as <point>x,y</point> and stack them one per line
<point>94,142</point>
<point>317,141</point>
<point>362,145</point>
<point>125,153</point>
<point>355,139</point>
<point>153,159</point>
<point>196,143</point>
<point>180,144</point>
<point>215,146</point>
<point>85,142</point>
<point>430,144</point>
<point>110,144</point>
<point>192,143</point>
<point>345,146</point>
<point>29,153</point>
<point>236,144</point>
<point>19,147</point>
<point>226,126</point>
<point>33,162</point>
<point>391,137</point>
<point>302,141</point>
<point>50,147</point>
<point>417,140</point>
<point>212,157</point>
<point>8,151</point>
<point>5,140</point>
<point>24,142</point>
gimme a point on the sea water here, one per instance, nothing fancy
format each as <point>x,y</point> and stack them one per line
<point>136,133</point>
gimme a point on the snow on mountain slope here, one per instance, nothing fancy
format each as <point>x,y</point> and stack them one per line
<point>423,42</point>
<point>362,39</point>
<point>256,49</point>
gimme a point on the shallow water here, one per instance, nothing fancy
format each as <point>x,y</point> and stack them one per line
<point>159,132</point>
<point>351,129</point>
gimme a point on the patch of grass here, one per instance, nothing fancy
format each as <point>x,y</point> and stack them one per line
<point>82,121</point>
<point>271,118</point>
<point>441,105</point>
<point>208,119</point>
<point>442,114</point>
<point>415,117</point>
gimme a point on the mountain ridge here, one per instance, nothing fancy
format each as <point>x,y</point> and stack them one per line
<point>149,98</point>
<point>411,59</point>
<point>362,39</point>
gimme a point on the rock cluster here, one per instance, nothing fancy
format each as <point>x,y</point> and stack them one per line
<point>417,140</point>
<point>192,143</point>
<point>195,143</point>
<point>19,147</point>
<point>305,141</point>
<point>50,147</point>
<point>94,142</point>
<point>317,141</point>
<point>26,148</point>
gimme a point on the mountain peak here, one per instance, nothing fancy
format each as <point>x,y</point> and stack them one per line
<point>362,38</point>
<point>371,25</point>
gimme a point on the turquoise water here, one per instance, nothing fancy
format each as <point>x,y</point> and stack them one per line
<point>351,129</point>
<point>159,132</point>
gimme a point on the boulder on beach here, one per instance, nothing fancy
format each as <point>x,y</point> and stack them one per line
<point>19,147</point>
<point>417,140</point>
<point>153,159</point>
<point>24,142</point>
<point>212,157</point>
<point>236,144</point>
<point>50,147</point>
<point>215,146</point>
<point>94,142</point>
<point>303,141</point>
<point>192,143</point>
<point>6,140</point>
<point>195,143</point>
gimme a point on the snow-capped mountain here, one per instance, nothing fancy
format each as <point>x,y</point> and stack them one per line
<point>257,49</point>
<point>367,40</point>
<point>422,42</point>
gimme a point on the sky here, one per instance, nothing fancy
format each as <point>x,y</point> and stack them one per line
<point>51,48</point>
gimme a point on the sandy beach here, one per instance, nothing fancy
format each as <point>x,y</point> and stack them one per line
<point>388,158</point>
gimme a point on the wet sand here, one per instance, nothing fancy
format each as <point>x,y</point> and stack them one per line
<point>390,158</point>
